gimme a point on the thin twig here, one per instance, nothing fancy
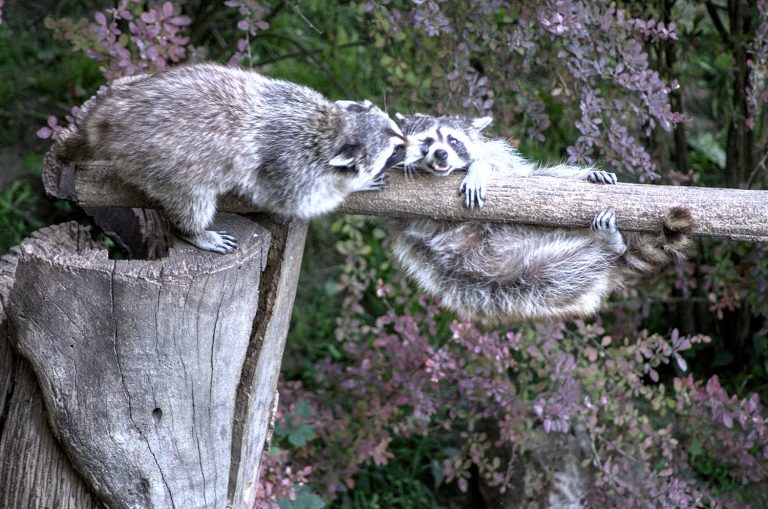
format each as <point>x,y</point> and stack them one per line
<point>310,55</point>
<point>297,54</point>
<point>712,11</point>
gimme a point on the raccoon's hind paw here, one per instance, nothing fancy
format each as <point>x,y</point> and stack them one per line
<point>602,177</point>
<point>376,183</point>
<point>218,242</point>
<point>604,221</point>
<point>474,189</point>
<point>604,225</point>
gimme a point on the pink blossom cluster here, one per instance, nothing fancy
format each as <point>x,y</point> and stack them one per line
<point>279,479</point>
<point>128,39</point>
<point>590,55</point>
<point>404,374</point>
<point>734,430</point>
<point>251,22</point>
<point>133,39</point>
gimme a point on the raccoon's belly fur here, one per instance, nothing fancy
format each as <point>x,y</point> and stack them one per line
<point>497,273</point>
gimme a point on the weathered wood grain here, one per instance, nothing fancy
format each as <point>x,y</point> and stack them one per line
<point>729,213</point>
<point>257,394</point>
<point>34,470</point>
<point>139,362</point>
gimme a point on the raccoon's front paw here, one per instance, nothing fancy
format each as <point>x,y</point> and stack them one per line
<point>602,177</point>
<point>474,188</point>
<point>218,242</point>
<point>376,183</point>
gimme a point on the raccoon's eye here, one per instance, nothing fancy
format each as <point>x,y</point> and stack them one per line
<point>453,141</point>
<point>397,157</point>
<point>427,141</point>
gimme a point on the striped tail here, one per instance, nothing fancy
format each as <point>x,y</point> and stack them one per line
<point>648,253</point>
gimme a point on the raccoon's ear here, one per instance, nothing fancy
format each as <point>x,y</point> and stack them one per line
<point>403,120</point>
<point>355,106</point>
<point>345,158</point>
<point>481,123</point>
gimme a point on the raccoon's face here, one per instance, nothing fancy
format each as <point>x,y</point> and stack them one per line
<point>377,143</point>
<point>439,145</point>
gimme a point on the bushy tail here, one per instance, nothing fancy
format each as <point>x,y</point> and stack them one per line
<point>72,147</point>
<point>648,253</point>
<point>72,142</point>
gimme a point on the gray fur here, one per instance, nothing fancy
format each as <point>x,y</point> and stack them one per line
<point>190,134</point>
<point>504,272</point>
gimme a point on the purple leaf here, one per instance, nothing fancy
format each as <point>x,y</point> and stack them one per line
<point>680,362</point>
<point>180,20</point>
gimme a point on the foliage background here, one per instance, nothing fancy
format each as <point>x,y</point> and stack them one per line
<point>387,401</point>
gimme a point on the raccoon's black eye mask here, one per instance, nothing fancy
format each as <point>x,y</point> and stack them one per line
<point>397,157</point>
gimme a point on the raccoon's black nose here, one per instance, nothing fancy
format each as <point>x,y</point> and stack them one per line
<point>441,154</point>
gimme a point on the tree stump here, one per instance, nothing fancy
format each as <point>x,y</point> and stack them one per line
<point>158,377</point>
<point>34,470</point>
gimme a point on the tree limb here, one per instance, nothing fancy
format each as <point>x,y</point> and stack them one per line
<point>730,213</point>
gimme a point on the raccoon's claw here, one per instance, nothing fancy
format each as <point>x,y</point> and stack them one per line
<point>376,183</point>
<point>605,220</point>
<point>604,224</point>
<point>228,240</point>
<point>474,190</point>
<point>217,242</point>
<point>602,177</point>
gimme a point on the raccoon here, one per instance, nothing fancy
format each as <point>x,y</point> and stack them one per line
<point>190,134</point>
<point>497,273</point>
<point>440,145</point>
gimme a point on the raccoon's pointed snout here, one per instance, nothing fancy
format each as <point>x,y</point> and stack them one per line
<point>441,154</point>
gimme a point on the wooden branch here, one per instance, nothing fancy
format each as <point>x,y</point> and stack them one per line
<point>730,213</point>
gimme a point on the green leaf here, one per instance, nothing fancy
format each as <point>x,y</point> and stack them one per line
<point>34,163</point>
<point>707,145</point>
<point>303,409</point>
<point>759,342</point>
<point>722,358</point>
<point>301,434</point>
<point>305,499</point>
<point>437,473</point>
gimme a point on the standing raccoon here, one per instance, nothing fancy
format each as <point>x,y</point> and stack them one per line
<point>190,134</point>
<point>502,272</point>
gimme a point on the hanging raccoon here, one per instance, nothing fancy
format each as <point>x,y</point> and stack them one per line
<point>502,272</point>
